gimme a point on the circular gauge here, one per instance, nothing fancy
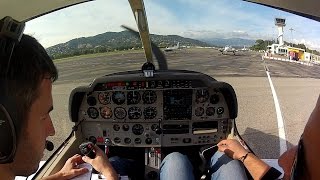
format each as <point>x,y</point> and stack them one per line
<point>127,140</point>
<point>116,127</point>
<point>120,112</point>
<point>220,110</point>
<point>154,127</point>
<point>210,111</point>
<point>125,127</point>
<point>92,112</point>
<point>106,112</point>
<point>118,97</point>
<point>202,95</point>
<point>133,97</point>
<point>214,99</point>
<point>117,140</point>
<point>150,112</point>
<point>134,113</point>
<point>91,101</point>
<point>149,97</point>
<point>104,98</point>
<point>199,111</point>
<point>137,129</point>
<point>137,140</point>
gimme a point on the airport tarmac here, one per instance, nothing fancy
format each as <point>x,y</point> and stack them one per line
<point>297,88</point>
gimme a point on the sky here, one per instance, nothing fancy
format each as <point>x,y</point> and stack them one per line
<point>203,19</point>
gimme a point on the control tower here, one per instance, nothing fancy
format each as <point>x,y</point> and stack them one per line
<point>280,23</point>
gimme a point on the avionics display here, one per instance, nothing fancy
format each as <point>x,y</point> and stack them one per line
<point>177,104</point>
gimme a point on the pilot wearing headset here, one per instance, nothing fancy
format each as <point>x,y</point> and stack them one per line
<point>26,77</point>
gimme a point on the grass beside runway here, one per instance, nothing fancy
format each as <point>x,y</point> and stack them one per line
<point>85,56</point>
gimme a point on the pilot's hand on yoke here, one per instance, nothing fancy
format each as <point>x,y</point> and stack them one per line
<point>232,148</point>
<point>101,164</point>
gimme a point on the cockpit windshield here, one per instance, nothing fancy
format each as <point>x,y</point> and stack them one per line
<point>271,59</point>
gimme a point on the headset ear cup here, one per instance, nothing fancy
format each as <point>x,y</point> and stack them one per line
<point>8,137</point>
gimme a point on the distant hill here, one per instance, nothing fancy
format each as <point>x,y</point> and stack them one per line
<point>111,41</point>
<point>234,42</point>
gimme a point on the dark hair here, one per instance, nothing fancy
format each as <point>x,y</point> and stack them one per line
<point>28,66</point>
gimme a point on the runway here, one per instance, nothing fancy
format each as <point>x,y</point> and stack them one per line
<point>297,88</point>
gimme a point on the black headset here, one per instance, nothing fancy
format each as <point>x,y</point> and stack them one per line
<point>11,32</point>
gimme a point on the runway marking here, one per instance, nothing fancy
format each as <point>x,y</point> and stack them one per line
<point>282,133</point>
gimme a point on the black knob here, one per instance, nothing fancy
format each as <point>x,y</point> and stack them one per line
<point>93,139</point>
<point>148,141</point>
<point>158,130</point>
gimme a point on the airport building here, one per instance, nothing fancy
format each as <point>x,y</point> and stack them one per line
<point>281,49</point>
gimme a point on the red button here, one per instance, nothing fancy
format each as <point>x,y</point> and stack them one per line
<point>100,139</point>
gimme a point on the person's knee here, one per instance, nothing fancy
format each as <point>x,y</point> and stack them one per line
<point>175,156</point>
<point>176,159</point>
<point>218,156</point>
<point>114,158</point>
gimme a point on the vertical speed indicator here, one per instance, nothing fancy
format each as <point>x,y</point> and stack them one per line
<point>133,97</point>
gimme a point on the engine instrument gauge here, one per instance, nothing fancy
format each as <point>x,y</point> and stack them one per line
<point>104,98</point>
<point>154,127</point>
<point>125,127</point>
<point>93,112</point>
<point>202,95</point>
<point>133,97</point>
<point>91,101</point>
<point>120,112</point>
<point>199,111</point>
<point>150,112</point>
<point>137,140</point>
<point>106,112</point>
<point>117,140</point>
<point>149,97</point>
<point>134,113</point>
<point>118,97</point>
<point>137,129</point>
<point>210,111</point>
<point>127,140</point>
<point>116,127</point>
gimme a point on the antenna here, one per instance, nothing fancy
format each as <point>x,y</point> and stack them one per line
<point>291,29</point>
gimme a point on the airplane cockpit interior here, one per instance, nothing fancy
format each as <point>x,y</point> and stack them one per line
<point>146,114</point>
<point>145,118</point>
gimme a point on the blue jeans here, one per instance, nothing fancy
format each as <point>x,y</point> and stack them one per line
<point>176,166</point>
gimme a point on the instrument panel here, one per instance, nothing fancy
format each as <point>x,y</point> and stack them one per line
<point>174,108</point>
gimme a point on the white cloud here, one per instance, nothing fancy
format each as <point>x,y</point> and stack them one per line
<point>82,20</point>
<point>189,18</point>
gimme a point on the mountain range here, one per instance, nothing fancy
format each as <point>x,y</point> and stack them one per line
<point>111,41</point>
<point>234,42</point>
